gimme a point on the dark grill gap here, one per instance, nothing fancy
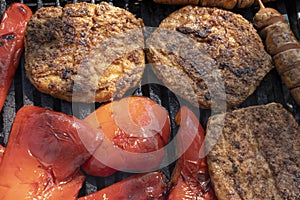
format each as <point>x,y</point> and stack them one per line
<point>23,93</point>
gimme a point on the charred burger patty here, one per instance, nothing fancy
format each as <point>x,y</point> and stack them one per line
<point>84,52</point>
<point>256,155</point>
<point>196,47</point>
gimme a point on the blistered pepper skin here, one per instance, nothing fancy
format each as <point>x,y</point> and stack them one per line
<point>43,155</point>
<point>12,30</point>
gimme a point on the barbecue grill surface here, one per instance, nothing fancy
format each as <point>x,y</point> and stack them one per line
<point>23,93</point>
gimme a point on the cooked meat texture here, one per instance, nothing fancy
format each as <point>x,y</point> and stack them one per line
<point>208,54</point>
<point>84,52</point>
<point>257,154</point>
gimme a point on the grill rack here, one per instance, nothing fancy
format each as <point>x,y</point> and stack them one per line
<point>23,93</point>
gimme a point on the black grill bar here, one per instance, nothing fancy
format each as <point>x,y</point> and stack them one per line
<point>2,6</point>
<point>292,6</point>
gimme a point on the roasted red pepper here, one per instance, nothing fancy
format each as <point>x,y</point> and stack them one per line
<point>136,129</point>
<point>12,30</point>
<point>43,155</point>
<point>141,187</point>
<point>190,176</point>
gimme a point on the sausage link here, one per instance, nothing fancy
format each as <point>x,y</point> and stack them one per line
<point>266,17</point>
<point>296,94</point>
<point>291,78</point>
<point>279,38</point>
<point>227,4</point>
<point>192,2</point>
<point>286,60</point>
<point>282,44</point>
<point>244,3</point>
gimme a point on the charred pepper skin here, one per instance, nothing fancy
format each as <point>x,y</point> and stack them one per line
<point>43,155</point>
<point>12,31</point>
<point>190,178</point>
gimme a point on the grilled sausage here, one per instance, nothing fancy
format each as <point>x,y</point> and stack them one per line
<point>192,2</point>
<point>244,3</point>
<point>227,4</point>
<point>283,46</point>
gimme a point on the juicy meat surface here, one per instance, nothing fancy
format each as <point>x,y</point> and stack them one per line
<point>208,54</point>
<point>257,153</point>
<point>84,52</point>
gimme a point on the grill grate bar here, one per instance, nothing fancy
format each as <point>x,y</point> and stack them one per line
<point>8,111</point>
<point>2,6</point>
<point>291,8</point>
<point>39,3</point>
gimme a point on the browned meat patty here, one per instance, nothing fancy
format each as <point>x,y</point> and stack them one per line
<point>257,154</point>
<point>84,52</point>
<point>198,51</point>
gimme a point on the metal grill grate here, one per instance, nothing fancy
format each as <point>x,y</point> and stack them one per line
<point>23,93</point>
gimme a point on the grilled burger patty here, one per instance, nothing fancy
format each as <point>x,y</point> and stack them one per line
<point>196,47</point>
<point>84,52</point>
<point>257,154</point>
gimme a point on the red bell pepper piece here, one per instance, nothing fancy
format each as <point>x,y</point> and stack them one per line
<point>190,176</point>
<point>135,129</point>
<point>12,30</point>
<point>66,190</point>
<point>70,188</point>
<point>43,155</point>
<point>142,187</point>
